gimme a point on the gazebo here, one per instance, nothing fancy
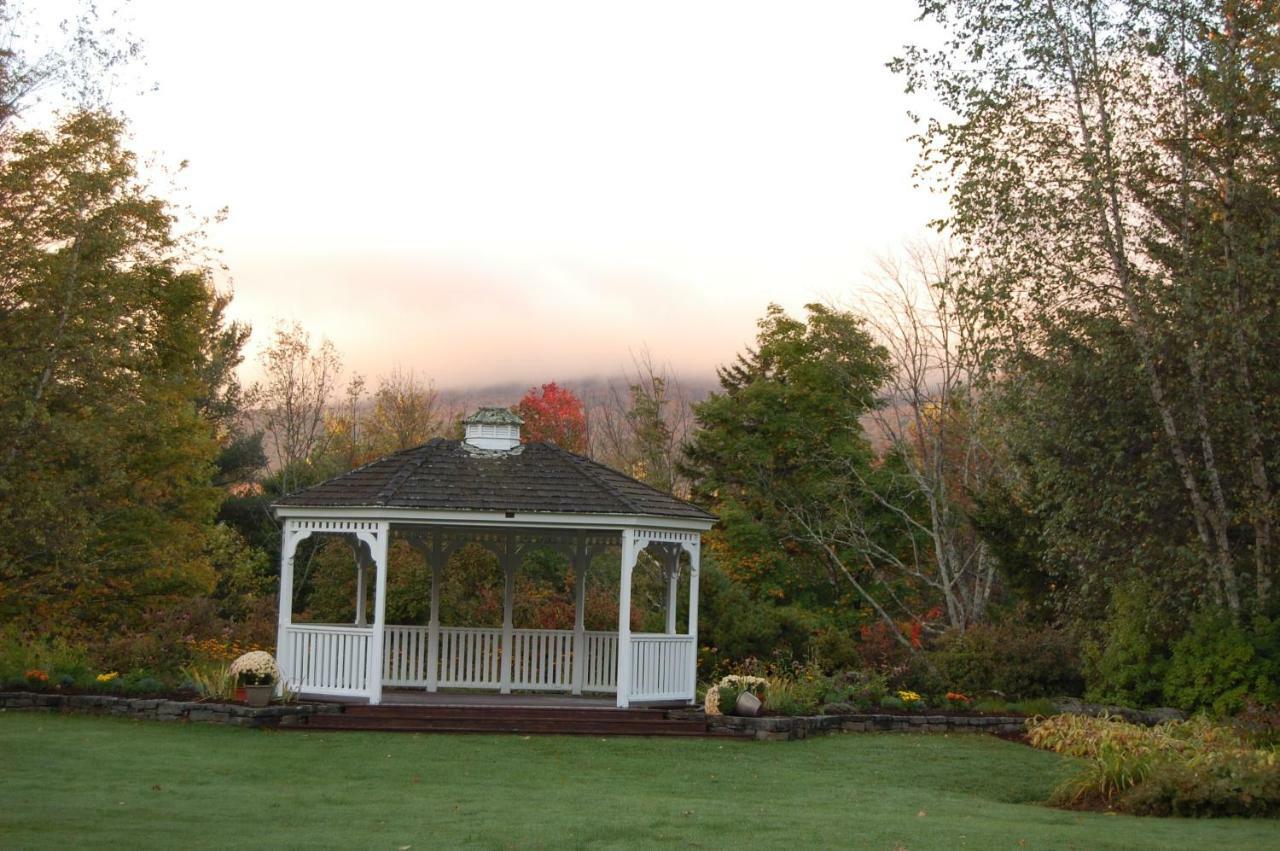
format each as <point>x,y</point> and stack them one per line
<point>509,497</point>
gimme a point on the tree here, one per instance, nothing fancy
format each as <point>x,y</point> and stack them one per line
<point>641,429</point>
<point>81,68</point>
<point>935,460</point>
<point>553,414</point>
<point>108,337</point>
<point>787,416</point>
<point>405,413</point>
<point>294,396</point>
<point>1114,170</point>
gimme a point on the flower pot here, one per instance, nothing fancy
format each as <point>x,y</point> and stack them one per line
<point>748,705</point>
<point>240,696</point>
<point>258,695</point>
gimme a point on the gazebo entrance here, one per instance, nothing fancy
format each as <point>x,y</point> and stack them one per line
<point>509,498</point>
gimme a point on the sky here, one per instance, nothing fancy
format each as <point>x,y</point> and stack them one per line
<point>486,192</point>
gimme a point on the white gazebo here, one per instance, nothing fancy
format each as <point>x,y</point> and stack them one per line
<point>490,489</point>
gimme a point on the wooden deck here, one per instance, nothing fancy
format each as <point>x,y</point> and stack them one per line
<point>469,712</point>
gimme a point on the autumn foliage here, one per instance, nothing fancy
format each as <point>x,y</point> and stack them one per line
<point>553,414</point>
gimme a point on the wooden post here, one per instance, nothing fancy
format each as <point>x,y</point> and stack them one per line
<point>579,613</point>
<point>694,563</point>
<point>508,616</point>
<point>673,581</point>
<point>380,552</point>
<point>624,618</point>
<point>433,625</point>
<point>288,548</point>
<point>362,582</point>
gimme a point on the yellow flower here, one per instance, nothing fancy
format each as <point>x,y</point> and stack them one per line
<point>108,677</point>
<point>909,697</point>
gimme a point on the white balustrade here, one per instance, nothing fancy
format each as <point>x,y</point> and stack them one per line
<point>601,671</point>
<point>542,659</point>
<point>661,667</point>
<point>469,657</point>
<point>327,658</point>
<point>404,656</point>
<point>333,659</point>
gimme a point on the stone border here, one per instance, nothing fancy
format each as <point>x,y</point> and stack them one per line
<point>786,728</point>
<point>157,709</point>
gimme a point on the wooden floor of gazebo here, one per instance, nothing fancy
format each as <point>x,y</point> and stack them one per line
<point>415,711</point>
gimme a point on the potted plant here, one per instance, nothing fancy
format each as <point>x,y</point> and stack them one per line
<point>258,674</point>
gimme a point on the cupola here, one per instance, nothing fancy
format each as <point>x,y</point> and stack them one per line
<point>493,429</point>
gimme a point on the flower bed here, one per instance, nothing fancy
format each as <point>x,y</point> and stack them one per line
<point>1183,768</point>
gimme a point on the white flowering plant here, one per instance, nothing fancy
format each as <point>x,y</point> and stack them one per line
<point>723,696</point>
<point>256,668</point>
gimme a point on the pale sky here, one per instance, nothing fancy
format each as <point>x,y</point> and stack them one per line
<point>528,191</point>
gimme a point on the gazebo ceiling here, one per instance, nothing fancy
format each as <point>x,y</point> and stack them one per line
<point>452,475</point>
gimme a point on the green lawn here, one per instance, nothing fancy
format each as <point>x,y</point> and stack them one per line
<point>71,781</point>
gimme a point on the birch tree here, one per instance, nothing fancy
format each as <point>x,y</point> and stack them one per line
<point>1117,165</point>
<point>294,395</point>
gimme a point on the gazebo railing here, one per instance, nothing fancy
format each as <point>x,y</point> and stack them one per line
<point>471,657</point>
<point>662,667</point>
<point>333,659</point>
<point>327,658</point>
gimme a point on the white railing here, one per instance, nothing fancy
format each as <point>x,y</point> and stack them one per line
<point>333,659</point>
<point>469,657</point>
<point>600,673</point>
<point>327,658</point>
<point>542,659</point>
<point>662,667</point>
<point>404,656</point>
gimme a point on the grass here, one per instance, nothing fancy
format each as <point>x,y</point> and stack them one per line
<point>75,781</point>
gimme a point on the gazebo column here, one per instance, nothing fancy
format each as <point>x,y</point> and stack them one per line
<point>579,613</point>
<point>435,560</point>
<point>288,549</point>
<point>673,581</point>
<point>362,583</point>
<point>629,553</point>
<point>694,568</point>
<point>378,548</point>
<point>508,616</point>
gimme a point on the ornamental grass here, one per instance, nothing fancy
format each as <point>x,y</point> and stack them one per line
<point>1193,767</point>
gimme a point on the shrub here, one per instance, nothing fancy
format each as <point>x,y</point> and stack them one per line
<point>1032,708</point>
<point>1190,767</point>
<point>1258,724</point>
<point>1245,783</point>
<point>211,680</point>
<point>55,656</point>
<point>1217,664</point>
<point>1128,664</point>
<point>861,689</point>
<point>786,698</point>
<point>1014,658</point>
<point>892,702</point>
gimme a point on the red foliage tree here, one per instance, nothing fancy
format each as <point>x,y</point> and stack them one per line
<point>553,414</point>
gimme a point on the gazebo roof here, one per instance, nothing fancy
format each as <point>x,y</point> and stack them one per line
<point>452,476</point>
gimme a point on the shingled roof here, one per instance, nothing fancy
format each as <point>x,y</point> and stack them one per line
<point>449,475</point>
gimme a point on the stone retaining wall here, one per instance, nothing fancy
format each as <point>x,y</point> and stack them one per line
<point>799,727</point>
<point>155,709</point>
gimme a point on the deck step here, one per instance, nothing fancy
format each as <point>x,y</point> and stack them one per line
<point>499,719</point>
<point>513,725</point>
<point>543,712</point>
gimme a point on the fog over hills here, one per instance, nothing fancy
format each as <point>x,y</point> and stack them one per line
<point>593,390</point>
